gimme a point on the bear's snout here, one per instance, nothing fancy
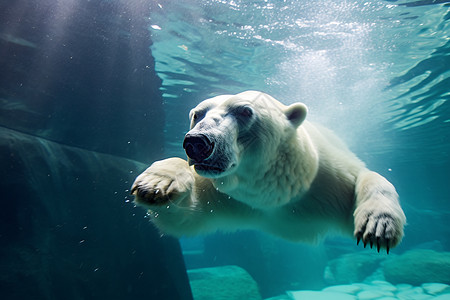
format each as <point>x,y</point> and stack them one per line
<point>198,147</point>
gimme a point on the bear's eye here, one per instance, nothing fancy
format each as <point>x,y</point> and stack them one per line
<point>198,115</point>
<point>244,112</point>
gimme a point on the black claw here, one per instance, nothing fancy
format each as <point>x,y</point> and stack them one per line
<point>378,247</point>
<point>358,239</point>
<point>387,246</point>
<point>371,244</point>
<point>365,244</point>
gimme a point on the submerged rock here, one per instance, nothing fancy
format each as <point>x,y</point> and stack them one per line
<point>345,288</point>
<point>353,267</point>
<point>384,285</point>
<point>68,232</point>
<point>436,288</point>
<point>418,266</point>
<point>374,294</point>
<point>415,293</point>
<point>375,290</point>
<point>319,295</point>
<point>223,283</point>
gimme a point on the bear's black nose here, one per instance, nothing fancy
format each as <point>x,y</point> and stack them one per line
<point>197,146</point>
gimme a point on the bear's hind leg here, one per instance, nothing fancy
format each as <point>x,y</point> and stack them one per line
<point>378,217</point>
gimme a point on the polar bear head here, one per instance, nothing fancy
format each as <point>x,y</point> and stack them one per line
<point>239,133</point>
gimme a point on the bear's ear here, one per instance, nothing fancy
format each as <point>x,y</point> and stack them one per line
<point>296,113</point>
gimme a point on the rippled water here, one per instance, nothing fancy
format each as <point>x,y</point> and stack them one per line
<point>375,71</point>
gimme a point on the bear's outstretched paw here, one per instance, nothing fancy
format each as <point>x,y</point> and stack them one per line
<point>381,229</point>
<point>151,190</point>
<point>164,181</point>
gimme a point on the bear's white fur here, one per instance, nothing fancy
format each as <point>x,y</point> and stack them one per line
<point>257,164</point>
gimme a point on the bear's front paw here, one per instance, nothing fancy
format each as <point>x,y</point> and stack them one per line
<point>152,189</point>
<point>380,228</point>
<point>164,181</point>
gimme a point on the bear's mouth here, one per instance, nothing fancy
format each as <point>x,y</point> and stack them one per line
<point>209,169</point>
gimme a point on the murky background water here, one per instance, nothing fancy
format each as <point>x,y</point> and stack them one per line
<point>92,92</point>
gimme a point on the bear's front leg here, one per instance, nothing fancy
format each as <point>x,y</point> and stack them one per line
<point>378,217</point>
<point>166,180</point>
<point>179,202</point>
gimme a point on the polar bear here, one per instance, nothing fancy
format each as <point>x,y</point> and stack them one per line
<point>254,163</point>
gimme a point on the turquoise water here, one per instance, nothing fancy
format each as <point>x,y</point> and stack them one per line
<point>382,64</point>
<point>92,92</point>
<point>377,72</point>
